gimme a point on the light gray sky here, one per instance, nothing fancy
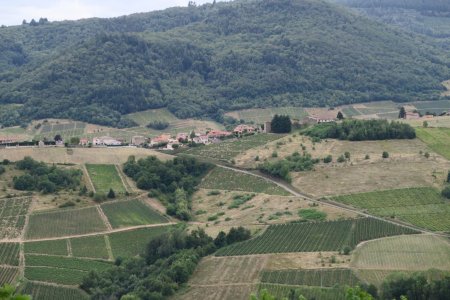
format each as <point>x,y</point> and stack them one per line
<point>12,12</point>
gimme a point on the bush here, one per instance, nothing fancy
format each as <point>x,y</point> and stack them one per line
<point>346,250</point>
<point>2,170</point>
<point>111,194</point>
<point>328,159</point>
<point>385,154</point>
<point>274,154</point>
<point>341,159</point>
<point>311,214</point>
<point>367,156</point>
<point>67,204</point>
<point>446,192</point>
<point>158,125</point>
<point>99,197</point>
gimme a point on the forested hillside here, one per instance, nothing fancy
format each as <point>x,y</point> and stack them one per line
<point>212,58</point>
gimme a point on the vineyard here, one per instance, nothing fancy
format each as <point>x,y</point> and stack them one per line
<point>65,222</point>
<point>62,270</point>
<point>314,277</point>
<point>131,213</point>
<point>56,247</point>
<point>9,254</point>
<point>12,216</point>
<point>91,246</point>
<point>66,130</point>
<point>41,291</point>
<point>261,115</point>
<point>282,291</point>
<point>437,139</point>
<point>312,237</point>
<point>423,207</point>
<point>8,275</point>
<point>225,179</point>
<point>233,147</point>
<point>105,177</point>
<point>414,252</point>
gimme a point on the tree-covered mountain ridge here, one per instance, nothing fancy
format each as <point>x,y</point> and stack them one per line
<point>212,58</point>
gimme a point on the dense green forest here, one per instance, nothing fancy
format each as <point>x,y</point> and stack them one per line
<point>204,60</point>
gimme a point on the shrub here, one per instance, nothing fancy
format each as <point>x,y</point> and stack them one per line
<point>67,204</point>
<point>367,156</point>
<point>274,154</point>
<point>328,159</point>
<point>158,125</point>
<point>385,154</point>
<point>446,192</point>
<point>213,193</point>
<point>347,155</point>
<point>2,170</point>
<point>341,159</point>
<point>346,250</point>
<point>99,197</point>
<point>311,214</point>
<point>111,194</point>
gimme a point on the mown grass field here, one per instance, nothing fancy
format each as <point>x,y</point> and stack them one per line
<point>315,236</point>
<point>61,270</point>
<point>12,216</point>
<point>40,291</point>
<point>230,148</point>
<point>225,179</point>
<point>261,115</point>
<point>131,213</point>
<point>104,178</point>
<point>423,207</point>
<point>408,253</point>
<point>437,139</point>
<point>64,223</point>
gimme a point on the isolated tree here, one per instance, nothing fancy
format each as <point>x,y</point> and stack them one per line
<point>446,192</point>
<point>328,159</point>
<point>58,138</point>
<point>347,155</point>
<point>33,22</point>
<point>24,22</point>
<point>425,124</point>
<point>402,113</point>
<point>385,154</point>
<point>192,135</point>
<point>221,240</point>
<point>111,194</point>
<point>340,116</point>
<point>75,140</point>
<point>281,124</point>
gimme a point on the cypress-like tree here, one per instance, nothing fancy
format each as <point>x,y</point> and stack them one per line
<point>111,194</point>
<point>340,116</point>
<point>402,113</point>
<point>281,124</point>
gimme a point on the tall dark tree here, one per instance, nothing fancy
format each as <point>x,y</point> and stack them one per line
<point>340,116</point>
<point>281,124</point>
<point>402,113</point>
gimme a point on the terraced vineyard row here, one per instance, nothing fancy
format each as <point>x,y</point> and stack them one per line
<point>9,254</point>
<point>423,207</point>
<point>8,275</point>
<point>315,277</point>
<point>312,237</point>
<point>12,216</point>
<point>41,291</point>
<point>283,291</point>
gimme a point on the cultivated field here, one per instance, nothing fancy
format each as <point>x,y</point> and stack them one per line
<point>317,277</point>
<point>241,208</point>
<point>12,216</point>
<point>8,275</point>
<point>225,179</point>
<point>56,247</point>
<point>131,213</point>
<point>261,115</point>
<point>66,130</point>
<point>104,178</point>
<point>61,270</point>
<point>359,178</point>
<point>437,139</point>
<point>409,253</point>
<point>64,223</point>
<point>9,254</point>
<point>423,207</point>
<point>282,291</point>
<point>214,292</point>
<point>91,247</point>
<point>80,155</point>
<point>313,237</point>
<point>152,115</point>
<point>40,291</point>
<point>230,148</point>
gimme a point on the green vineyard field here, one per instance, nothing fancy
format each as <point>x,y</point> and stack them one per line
<point>422,207</point>
<point>12,216</point>
<point>91,246</point>
<point>41,291</point>
<point>131,213</point>
<point>281,291</point>
<point>315,277</point>
<point>105,177</point>
<point>66,222</point>
<point>312,237</point>
<point>9,254</point>
<point>8,275</point>
<point>56,247</point>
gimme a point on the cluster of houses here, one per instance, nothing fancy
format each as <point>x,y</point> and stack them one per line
<point>169,142</point>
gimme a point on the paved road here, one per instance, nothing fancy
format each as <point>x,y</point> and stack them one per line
<point>291,190</point>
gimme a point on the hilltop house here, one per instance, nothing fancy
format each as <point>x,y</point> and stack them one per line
<point>240,129</point>
<point>105,141</point>
<point>163,138</point>
<point>325,117</point>
<point>202,139</point>
<point>8,139</point>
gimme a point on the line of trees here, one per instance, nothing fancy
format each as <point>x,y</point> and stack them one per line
<point>362,130</point>
<point>172,181</point>
<point>168,262</point>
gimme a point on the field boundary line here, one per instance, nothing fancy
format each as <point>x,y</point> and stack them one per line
<point>124,183</point>
<point>103,217</point>
<point>101,232</point>
<point>69,248</point>
<point>55,284</point>
<point>88,178</point>
<point>108,247</point>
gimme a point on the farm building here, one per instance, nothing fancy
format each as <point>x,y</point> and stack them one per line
<point>182,136</point>
<point>138,140</point>
<point>84,142</point>
<point>325,117</point>
<point>240,129</point>
<point>218,133</point>
<point>106,141</point>
<point>412,116</point>
<point>202,139</point>
<point>163,138</point>
<point>8,139</point>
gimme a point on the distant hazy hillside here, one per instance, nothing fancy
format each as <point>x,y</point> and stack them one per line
<point>422,5</point>
<point>208,59</point>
